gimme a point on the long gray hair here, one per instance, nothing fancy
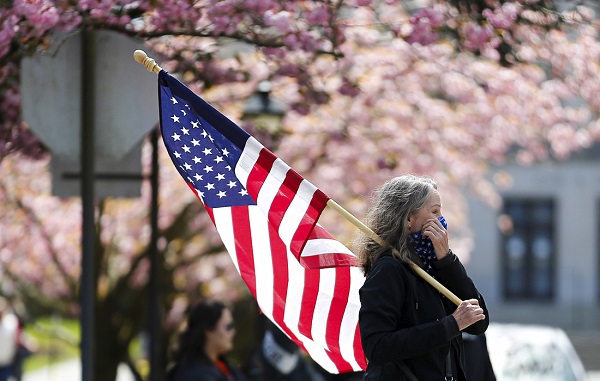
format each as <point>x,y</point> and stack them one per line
<point>388,216</point>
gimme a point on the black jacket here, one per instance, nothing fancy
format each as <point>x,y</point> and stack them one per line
<point>404,319</point>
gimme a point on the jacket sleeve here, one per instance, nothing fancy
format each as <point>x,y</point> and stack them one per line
<point>452,274</point>
<point>382,299</point>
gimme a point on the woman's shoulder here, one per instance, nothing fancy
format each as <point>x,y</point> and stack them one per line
<point>388,264</point>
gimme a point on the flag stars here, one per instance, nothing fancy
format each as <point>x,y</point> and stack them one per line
<point>231,184</point>
<point>183,112</point>
<point>195,142</point>
<point>197,160</point>
<point>195,124</point>
<point>198,177</point>
<point>208,169</point>
<point>175,119</point>
<point>225,152</point>
<point>186,148</point>
<point>204,134</point>
<point>218,159</point>
<point>176,137</point>
<point>207,151</point>
<point>185,131</point>
<point>210,186</point>
<point>187,166</point>
<point>243,192</point>
<point>221,194</point>
<point>174,100</point>
<point>177,154</point>
<point>220,177</point>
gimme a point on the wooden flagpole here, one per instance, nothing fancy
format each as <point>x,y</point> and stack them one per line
<point>150,65</point>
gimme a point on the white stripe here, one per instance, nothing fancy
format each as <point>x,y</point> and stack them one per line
<point>320,246</point>
<point>247,160</point>
<point>224,225</point>
<point>350,318</point>
<point>296,211</point>
<point>270,187</point>
<point>323,305</point>
<point>267,193</point>
<point>317,353</point>
<point>263,261</point>
<point>295,290</point>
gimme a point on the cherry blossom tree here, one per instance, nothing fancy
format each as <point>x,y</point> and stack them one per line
<point>375,88</point>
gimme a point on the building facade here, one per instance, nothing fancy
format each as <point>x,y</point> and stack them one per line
<point>537,258</point>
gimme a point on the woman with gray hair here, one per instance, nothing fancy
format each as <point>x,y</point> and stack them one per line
<point>409,330</point>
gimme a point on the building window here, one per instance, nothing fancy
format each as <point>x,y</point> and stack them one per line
<point>528,249</point>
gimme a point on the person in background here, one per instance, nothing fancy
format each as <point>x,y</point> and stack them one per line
<point>409,330</point>
<point>477,358</point>
<point>278,358</point>
<point>203,344</point>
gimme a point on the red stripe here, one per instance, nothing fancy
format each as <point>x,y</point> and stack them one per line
<point>242,230</point>
<point>259,173</point>
<point>336,313</point>
<point>280,274</point>
<point>359,354</point>
<point>305,227</point>
<point>280,283</point>
<point>281,201</point>
<point>309,301</point>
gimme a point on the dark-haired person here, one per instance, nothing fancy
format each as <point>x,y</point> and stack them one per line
<point>409,330</point>
<point>203,344</point>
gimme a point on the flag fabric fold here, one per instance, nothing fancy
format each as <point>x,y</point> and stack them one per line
<point>267,215</point>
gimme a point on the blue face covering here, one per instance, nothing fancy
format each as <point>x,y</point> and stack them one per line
<point>424,247</point>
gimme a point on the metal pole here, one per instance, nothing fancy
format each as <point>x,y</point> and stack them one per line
<point>87,289</point>
<point>155,315</point>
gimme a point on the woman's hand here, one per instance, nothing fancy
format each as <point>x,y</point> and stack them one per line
<point>468,312</point>
<point>435,231</point>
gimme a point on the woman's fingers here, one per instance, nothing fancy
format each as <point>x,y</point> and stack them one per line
<point>467,313</point>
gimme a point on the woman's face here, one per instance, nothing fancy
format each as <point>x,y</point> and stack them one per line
<point>220,339</point>
<point>432,209</point>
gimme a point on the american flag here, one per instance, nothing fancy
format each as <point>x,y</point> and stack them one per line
<point>266,214</point>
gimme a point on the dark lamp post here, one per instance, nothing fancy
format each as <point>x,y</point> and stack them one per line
<point>264,112</point>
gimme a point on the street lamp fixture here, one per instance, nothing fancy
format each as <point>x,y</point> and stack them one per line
<point>263,112</point>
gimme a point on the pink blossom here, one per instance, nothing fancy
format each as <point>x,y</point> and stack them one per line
<point>477,36</point>
<point>319,16</point>
<point>259,6</point>
<point>425,24</point>
<point>279,20</point>
<point>41,13</point>
<point>503,17</point>
<point>7,32</point>
<point>292,42</point>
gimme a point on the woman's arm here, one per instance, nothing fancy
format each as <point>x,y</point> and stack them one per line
<point>452,274</point>
<point>382,302</point>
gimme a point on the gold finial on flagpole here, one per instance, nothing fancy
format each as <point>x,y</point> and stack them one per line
<point>149,63</point>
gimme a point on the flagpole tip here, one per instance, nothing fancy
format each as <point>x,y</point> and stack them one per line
<point>141,57</point>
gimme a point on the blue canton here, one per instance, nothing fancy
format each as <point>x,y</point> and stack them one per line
<point>202,155</point>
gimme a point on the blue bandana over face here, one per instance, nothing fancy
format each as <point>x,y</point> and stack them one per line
<point>424,247</point>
